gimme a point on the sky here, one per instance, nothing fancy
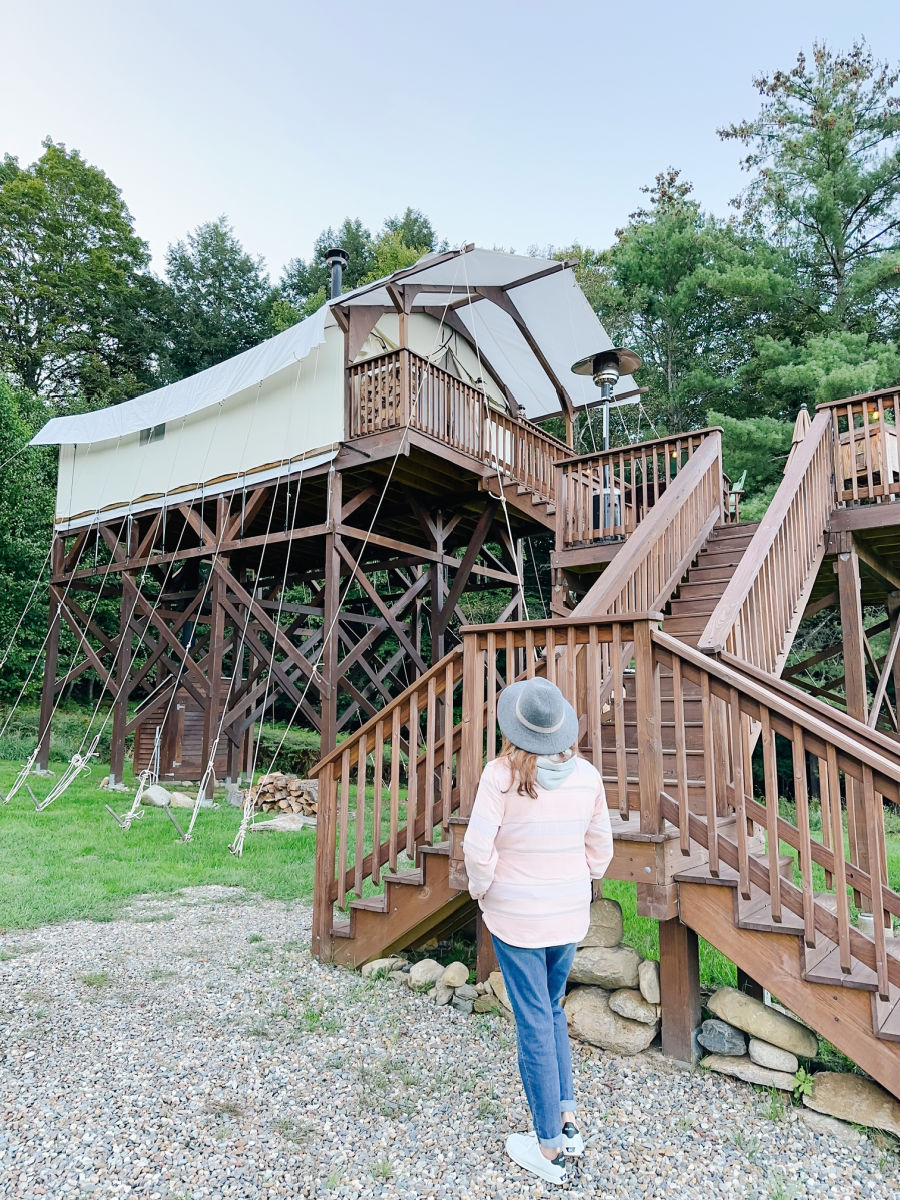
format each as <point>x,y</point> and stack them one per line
<point>510,123</point>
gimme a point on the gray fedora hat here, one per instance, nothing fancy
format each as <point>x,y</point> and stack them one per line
<point>535,716</point>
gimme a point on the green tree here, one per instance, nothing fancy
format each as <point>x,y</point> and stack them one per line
<point>825,153</point>
<point>220,299</point>
<point>304,284</point>
<point>758,446</point>
<point>27,495</point>
<point>688,293</point>
<point>78,313</point>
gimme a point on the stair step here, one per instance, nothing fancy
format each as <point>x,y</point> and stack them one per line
<point>726,559</point>
<point>340,927</point>
<point>442,848</point>
<point>695,591</point>
<point>828,970</point>
<point>371,904</point>
<point>678,626</point>
<point>413,878</point>
<point>886,1016</point>
<point>757,914</point>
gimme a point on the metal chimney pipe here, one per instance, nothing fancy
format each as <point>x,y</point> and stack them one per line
<point>337,259</point>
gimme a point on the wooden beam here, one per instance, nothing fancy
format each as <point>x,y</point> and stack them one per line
<point>441,619</point>
<point>679,989</point>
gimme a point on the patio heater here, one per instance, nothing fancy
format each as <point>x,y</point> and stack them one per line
<point>606,366</point>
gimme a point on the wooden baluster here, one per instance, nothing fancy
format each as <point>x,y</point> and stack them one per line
<point>377,794</point>
<point>851,451</point>
<point>801,799</point>
<point>593,672</point>
<point>825,805</point>
<point>875,823</point>
<point>836,458</point>
<point>447,764</point>
<point>886,478</point>
<point>571,654</point>
<point>681,771</point>
<point>618,697</point>
<point>511,671</point>
<point>868,444</point>
<point>393,845</point>
<point>343,822</point>
<point>360,823</point>
<point>428,798</point>
<point>737,775</point>
<point>550,652</point>
<point>491,716</point>
<point>412,777</point>
<point>530,661</point>
<point>713,779</point>
<point>840,870</point>
<point>770,784</point>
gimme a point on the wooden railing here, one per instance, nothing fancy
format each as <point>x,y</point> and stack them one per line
<point>400,389</point>
<point>864,446</point>
<point>632,478</point>
<point>406,754</point>
<point>667,540</point>
<point>763,603</point>
<point>829,762</point>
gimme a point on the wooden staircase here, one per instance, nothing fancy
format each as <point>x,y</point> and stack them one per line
<point>675,734</point>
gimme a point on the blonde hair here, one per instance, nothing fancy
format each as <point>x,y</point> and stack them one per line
<point>522,768</point>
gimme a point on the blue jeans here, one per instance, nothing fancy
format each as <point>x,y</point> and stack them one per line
<point>536,983</point>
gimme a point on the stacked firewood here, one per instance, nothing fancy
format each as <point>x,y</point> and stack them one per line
<point>286,794</point>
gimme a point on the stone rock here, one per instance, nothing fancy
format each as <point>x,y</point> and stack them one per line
<point>766,1055</point>
<point>742,1068</point>
<point>183,800</point>
<point>830,1127</point>
<point>718,1037</point>
<point>487,1004</point>
<point>852,1098</point>
<point>498,987</point>
<point>609,967</point>
<point>467,991</point>
<point>592,1020</point>
<point>629,1003</point>
<point>455,975</point>
<point>156,796</point>
<point>648,980</point>
<point>480,988</point>
<point>399,977</point>
<point>379,966</point>
<point>234,795</point>
<point>763,1022</point>
<point>605,928</point>
<point>486,987</point>
<point>424,973</point>
<point>463,1006</point>
<point>443,995</point>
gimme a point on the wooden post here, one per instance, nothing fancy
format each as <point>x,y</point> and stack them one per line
<point>847,570</point>
<point>216,641</point>
<point>326,828</point>
<point>679,988</point>
<point>332,603</point>
<point>893,608</point>
<point>51,658</point>
<point>649,745</point>
<point>471,748</point>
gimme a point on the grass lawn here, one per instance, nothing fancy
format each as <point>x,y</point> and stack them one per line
<point>73,861</point>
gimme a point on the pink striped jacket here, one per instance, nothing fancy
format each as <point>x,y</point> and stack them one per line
<point>530,862</point>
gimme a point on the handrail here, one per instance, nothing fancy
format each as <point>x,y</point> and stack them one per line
<point>651,443</point>
<point>760,607</point>
<point>666,541</point>
<point>822,752</point>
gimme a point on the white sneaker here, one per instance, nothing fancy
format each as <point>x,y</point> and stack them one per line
<point>573,1142</point>
<point>524,1149</point>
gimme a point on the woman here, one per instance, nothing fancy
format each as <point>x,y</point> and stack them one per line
<point>538,834</point>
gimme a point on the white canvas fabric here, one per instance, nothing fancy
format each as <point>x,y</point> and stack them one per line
<point>203,390</point>
<point>557,315</point>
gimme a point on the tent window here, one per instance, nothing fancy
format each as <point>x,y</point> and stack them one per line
<point>155,433</point>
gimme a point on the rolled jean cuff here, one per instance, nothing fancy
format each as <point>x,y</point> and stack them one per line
<point>568,1106</point>
<point>554,1143</point>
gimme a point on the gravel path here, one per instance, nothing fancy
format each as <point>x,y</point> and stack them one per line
<point>193,1050</point>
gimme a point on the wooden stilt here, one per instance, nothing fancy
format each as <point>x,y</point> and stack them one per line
<point>485,954</point>
<point>51,658</point>
<point>329,663</point>
<point>679,986</point>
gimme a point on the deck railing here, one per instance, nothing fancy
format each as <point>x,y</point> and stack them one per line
<point>387,790</point>
<point>760,608</point>
<point>608,493</point>
<point>864,447</point>
<point>402,389</point>
<point>829,763</point>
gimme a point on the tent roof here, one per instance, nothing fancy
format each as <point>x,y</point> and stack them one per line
<point>527,316</point>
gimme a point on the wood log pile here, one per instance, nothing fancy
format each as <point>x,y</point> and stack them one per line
<point>277,793</point>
